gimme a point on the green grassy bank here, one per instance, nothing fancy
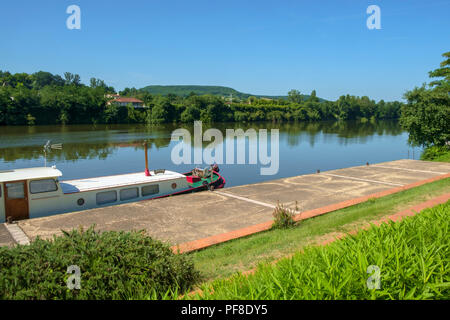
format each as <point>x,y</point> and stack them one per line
<point>245,253</point>
<point>409,259</point>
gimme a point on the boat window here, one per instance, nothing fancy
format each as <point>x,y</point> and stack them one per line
<point>149,190</point>
<point>106,197</point>
<point>128,194</point>
<point>16,190</point>
<point>40,186</point>
<point>0,190</point>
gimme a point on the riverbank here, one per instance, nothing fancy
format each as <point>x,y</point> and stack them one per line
<point>244,254</point>
<point>186,218</point>
<point>394,253</point>
<point>55,255</point>
<point>68,101</point>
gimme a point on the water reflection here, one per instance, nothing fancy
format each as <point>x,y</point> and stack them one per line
<point>114,149</point>
<point>101,141</point>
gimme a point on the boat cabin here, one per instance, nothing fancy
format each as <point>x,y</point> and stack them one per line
<point>19,187</point>
<point>37,192</point>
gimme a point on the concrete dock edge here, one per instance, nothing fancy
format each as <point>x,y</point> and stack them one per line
<point>239,233</point>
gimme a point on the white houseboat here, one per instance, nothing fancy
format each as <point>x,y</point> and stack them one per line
<point>37,192</point>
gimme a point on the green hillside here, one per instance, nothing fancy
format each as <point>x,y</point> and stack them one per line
<point>185,90</point>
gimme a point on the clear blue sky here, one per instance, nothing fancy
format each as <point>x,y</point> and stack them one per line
<point>259,47</point>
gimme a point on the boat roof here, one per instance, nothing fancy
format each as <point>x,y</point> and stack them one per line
<point>29,174</point>
<point>90,184</point>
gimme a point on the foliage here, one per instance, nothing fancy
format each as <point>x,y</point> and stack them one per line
<point>186,91</point>
<point>282,217</point>
<point>437,153</point>
<point>114,265</point>
<point>412,256</point>
<point>426,116</point>
<point>294,96</point>
<point>43,98</point>
<point>162,111</point>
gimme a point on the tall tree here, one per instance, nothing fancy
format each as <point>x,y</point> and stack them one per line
<point>294,96</point>
<point>442,72</point>
<point>313,97</point>
<point>427,114</point>
<point>68,77</point>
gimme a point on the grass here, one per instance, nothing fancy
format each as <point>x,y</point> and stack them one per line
<point>412,257</point>
<point>246,253</point>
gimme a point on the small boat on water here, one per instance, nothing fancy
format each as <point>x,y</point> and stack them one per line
<point>37,192</point>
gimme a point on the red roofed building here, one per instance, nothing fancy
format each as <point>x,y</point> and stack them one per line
<point>124,101</point>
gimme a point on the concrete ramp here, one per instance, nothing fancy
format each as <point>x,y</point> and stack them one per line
<point>195,216</point>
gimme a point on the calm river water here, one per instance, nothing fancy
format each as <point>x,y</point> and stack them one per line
<point>90,151</point>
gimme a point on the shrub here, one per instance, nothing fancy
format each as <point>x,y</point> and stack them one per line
<point>283,217</point>
<point>113,265</point>
<point>436,153</point>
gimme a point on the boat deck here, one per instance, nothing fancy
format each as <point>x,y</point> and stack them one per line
<point>90,184</point>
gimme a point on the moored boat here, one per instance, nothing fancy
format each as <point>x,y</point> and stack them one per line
<point>37,192</point>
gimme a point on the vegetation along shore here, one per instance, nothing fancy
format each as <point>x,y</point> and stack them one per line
<point>44,98</point>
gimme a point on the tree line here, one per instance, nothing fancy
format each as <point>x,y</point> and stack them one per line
<point>44,98</point>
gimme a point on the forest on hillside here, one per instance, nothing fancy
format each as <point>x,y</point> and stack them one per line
<point>186,90</point>
<point>44,98</point>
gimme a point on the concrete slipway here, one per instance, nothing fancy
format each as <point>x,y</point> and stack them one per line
<point>195,216</point>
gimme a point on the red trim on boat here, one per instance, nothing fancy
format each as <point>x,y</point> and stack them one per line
<point>192,189</point>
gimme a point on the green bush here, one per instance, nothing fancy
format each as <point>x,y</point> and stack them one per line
<point>436,153</point>
<point>114,265</point>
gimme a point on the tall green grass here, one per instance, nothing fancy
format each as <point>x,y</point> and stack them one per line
<point>413,257</point>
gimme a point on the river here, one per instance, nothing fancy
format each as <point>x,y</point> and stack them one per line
<point>97,150</point>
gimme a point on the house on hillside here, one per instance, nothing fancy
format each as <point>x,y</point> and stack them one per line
<point>124,101</point>
<point>112,95</point>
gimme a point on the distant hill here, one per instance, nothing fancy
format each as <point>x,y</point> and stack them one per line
<point>184,90</point>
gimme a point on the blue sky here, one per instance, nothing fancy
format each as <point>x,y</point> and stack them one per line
<point>259,47</point>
